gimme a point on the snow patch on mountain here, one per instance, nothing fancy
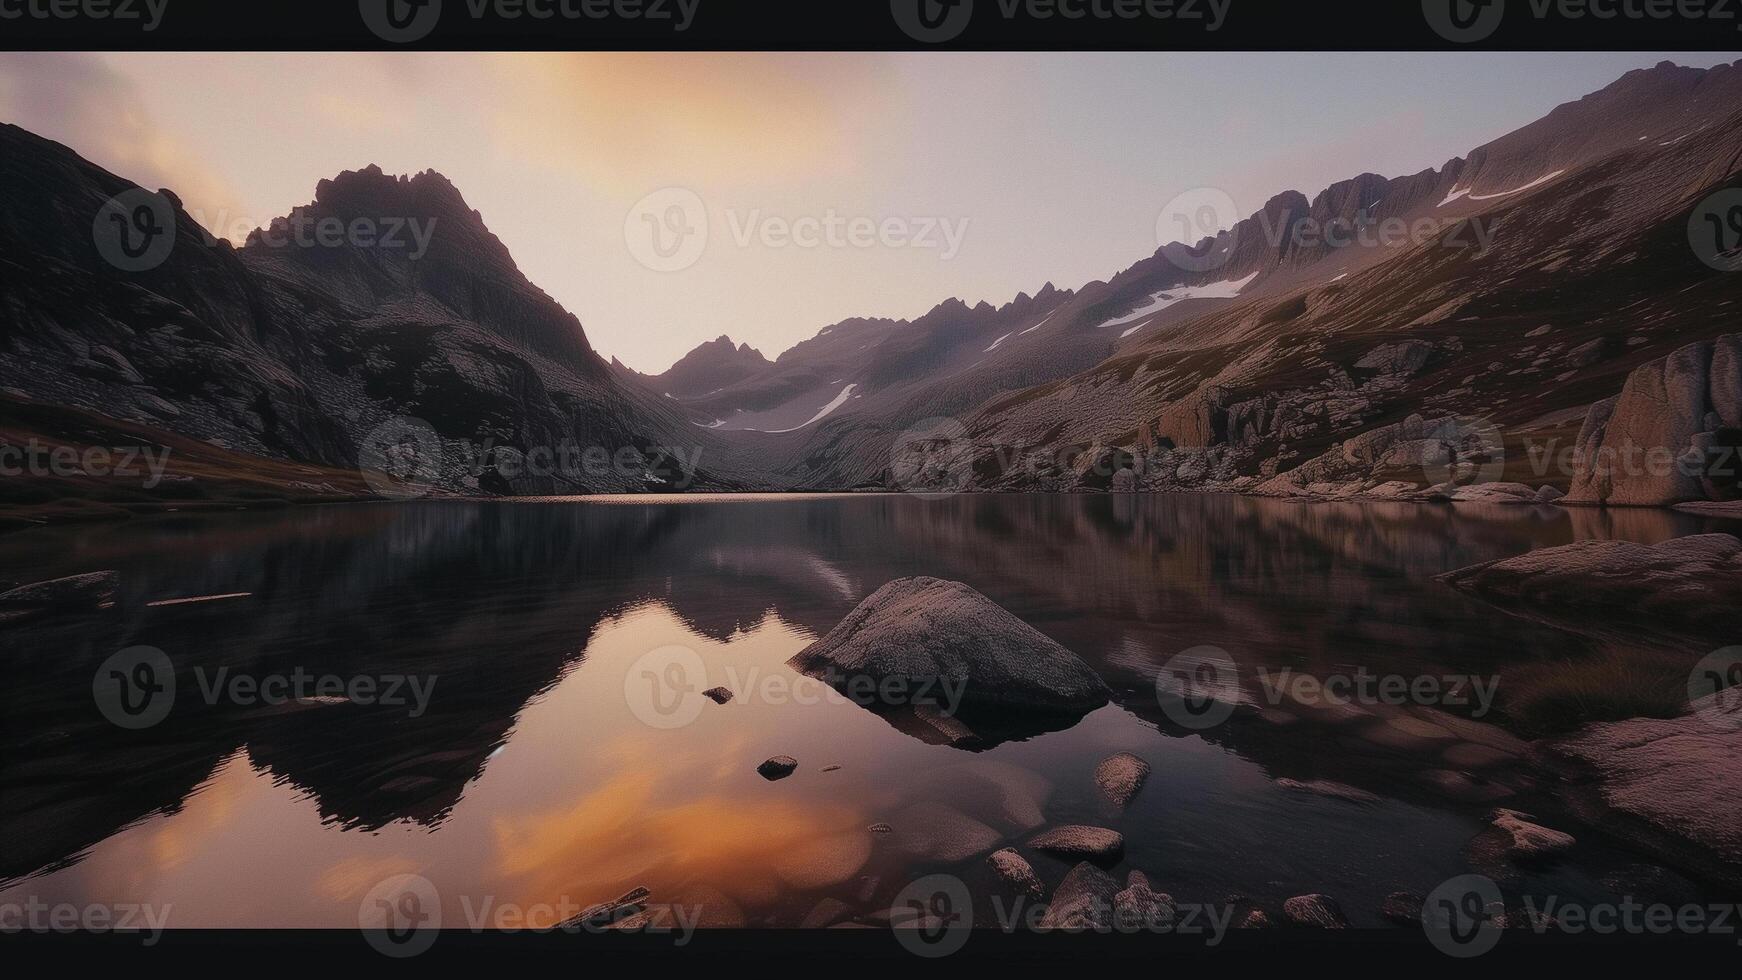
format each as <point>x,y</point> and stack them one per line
<point>1226,289</point>
<point>822,413</point>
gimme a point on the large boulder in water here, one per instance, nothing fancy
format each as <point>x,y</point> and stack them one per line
<point>1670,436</point>
<point>939,647</point>
<point>1689,586</point>
<point>1670,785</point>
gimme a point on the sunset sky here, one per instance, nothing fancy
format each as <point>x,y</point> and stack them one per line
<point>1058,164</point>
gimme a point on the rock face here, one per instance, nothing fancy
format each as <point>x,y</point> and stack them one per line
<point>1314,912</point>
<point>1691,585</point>
<point>1084,900</point>
<point>1673,786</point>
<point>1654,443</point>
<point>1119,777</point>
<point>1016,872</point>
<point>1095,843</point>
<point>937,640</point>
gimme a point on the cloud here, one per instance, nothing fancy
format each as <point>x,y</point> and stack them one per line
<point>79,100</point>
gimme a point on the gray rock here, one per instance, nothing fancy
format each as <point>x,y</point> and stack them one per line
<point>918,631</point>
<point>1402,908</point>
<point>73,593</point>
<point>1095,843</point>
<point>1137,906</point>
<point>1016,872</point>
<point>1517,837</point>
<point>1084,900</point>
<point>779,767</point>
<point>1671,786</point>
<point>1691,586</point>
<point>1120,776</point>
<point>1628,445</point>
<point>1314,912</point>
<point>1325,787</point>
<point>1405,358</point>
<point>718,695</point>
<point>933,831</point>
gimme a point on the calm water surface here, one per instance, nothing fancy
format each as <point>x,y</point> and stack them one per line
<point>538,774</point>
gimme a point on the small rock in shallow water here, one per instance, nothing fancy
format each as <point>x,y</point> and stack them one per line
<point>1402,908</point>
<point>1519,839</point>
<point>1256,919</point>
<point>718,695</point>
<point>881,828</point>
<point>1139,907</point>
<point>1120,777</point>
<point>828,769</point>
<point>1084,900</point>
<point>1314,912</point>
<point>1095,843</point>
<point>1016,872</point>
<point>1324,787</point>
<point>779,767</point>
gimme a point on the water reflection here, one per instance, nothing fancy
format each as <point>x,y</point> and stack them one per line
<point>530,779</point>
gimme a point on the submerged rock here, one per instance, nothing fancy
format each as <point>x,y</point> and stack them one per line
<point>1324,787</point>
<point>1016,872</point>
<point>779,767</point>
<point>75,593</point>
<point>932,831</point>
<point>1314,912</point>
<point>1094,843</point>
<point>1402,908</point>
<point>1691,585</point>
<point>1672,786</point>
<point>1119,777</point>
<point>931,650</point>
<point>1084,900</point>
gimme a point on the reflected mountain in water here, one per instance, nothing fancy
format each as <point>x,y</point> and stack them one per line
<point>498,602</point>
